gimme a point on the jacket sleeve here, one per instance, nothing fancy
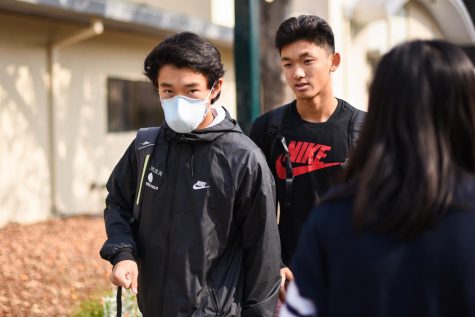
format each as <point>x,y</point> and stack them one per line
<point>256,213</point>
<point>120,244</point>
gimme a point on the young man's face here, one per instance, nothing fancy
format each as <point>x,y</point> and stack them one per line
<point>173,81</point>
<point>307,68</point>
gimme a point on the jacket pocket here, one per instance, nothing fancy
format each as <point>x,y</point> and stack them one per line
<point>225,281</point>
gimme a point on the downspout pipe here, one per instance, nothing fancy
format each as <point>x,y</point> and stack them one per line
<point>95,28</point>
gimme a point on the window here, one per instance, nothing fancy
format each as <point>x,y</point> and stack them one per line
<point>132,105</point>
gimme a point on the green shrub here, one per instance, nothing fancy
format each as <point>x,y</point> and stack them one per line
<point>90,308</point>
<point>105,305</point>
<point>129,304</point>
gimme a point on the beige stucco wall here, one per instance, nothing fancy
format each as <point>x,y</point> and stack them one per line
<point>320,8</point>
<point>84,152</point>
<point>354,41</point>
<point>24,176</point>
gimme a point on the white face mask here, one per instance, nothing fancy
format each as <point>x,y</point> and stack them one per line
<point>184,114</point>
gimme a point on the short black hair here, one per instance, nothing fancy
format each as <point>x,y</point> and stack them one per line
<point>185,50</point>
<point>311,28</point>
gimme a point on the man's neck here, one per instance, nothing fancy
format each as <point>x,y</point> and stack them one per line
<point>207,120</point>
<point>317,109</point>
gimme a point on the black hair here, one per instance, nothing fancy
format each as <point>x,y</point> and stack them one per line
<point>418,138</point>
<point>311,28</point>
<point>185,50</point>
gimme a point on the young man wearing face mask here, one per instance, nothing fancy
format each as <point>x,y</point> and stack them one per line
<point>207,242</point>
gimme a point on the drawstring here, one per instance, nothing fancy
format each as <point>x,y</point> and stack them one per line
<point>192,160</point>
<point>166,158</point>
<point>118,300</point>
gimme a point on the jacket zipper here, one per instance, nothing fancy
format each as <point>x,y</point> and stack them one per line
<point>170,218</point>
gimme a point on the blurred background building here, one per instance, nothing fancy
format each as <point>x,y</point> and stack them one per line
<point>73,93</point>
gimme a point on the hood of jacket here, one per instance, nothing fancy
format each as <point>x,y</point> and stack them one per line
<point>205,135</point>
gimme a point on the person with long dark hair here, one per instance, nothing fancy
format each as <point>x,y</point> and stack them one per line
<point>398,237</point>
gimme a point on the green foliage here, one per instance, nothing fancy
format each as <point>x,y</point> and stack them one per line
<point>129,304</point>
<point>90,308</point>
<point>105,305</point>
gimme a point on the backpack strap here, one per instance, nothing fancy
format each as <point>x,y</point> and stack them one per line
<point>354,127</point>
<point>273,135</point>
<point>276,120</point>
<point>274,127</point>
<point>144,146</point>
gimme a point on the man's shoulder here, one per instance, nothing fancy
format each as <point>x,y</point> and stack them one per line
<point>346,106</point>
<point>351,115</point>
<point>235,141</point>
<point>239,145</point>
<point>264,120</point>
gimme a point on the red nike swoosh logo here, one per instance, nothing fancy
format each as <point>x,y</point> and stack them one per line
<point>299,170</point>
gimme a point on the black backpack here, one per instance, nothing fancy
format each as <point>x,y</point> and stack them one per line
<point>273,137</point>
<point>144,145</point>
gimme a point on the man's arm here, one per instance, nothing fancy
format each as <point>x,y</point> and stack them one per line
<point>120,248</point>
<point>256,214</point>
<point>258,132</point>
<point>259,135</point>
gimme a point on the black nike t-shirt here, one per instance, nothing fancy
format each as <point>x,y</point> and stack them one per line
<point>317,152</point>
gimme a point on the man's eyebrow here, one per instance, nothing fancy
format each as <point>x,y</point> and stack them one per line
<point>190,85</point>
<point>304,54</point>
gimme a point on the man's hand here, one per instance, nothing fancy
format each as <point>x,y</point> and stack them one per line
<point>125,274</point>
<point>287,277</point>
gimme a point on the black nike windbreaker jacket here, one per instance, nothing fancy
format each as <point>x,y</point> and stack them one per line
<point>207,243</point>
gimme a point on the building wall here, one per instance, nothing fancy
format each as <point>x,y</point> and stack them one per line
<point>222,12</point>
<point>361,45</point>
<point>320,8</point>
<point>24,177</point>
<point>84,151</point>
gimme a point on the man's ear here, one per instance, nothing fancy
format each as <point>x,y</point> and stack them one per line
<point>336,59</point>
<point>216,89</point>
